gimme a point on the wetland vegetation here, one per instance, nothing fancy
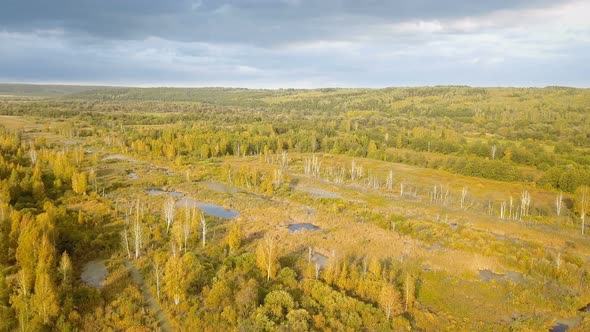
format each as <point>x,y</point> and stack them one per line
<point>437,208</point>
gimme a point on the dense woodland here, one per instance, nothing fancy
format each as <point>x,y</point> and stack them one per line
<point>62,204</point>
<point>529,135</point>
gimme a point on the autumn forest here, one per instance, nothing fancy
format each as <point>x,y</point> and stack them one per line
<point>443,208</point>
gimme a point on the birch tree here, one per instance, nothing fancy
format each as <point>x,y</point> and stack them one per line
<point>177,235</point>
<point>186,233</point>
<point>278,178</point>
<point>176,279</point>
<point>525,203</point>
<point>203,230</point>
<point>464,193</point>
<point>389,181</point>
<point>125,242</point>
<point>558,203</point>
<point>317,268</point>
<point>45,300</point>
<point>158,274</point>
<point>65,268</point>
<point>33,155</point>
<point>267,256</point>
<point>284,160</point>
<point>389,300</point>
<point>582,204</point>
<point>169,211</point>
<point>137,233</point>
<point>234,238</point>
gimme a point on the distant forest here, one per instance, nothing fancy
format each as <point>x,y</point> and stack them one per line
<point>534,135</point>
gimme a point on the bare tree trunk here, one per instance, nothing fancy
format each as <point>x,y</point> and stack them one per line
<point>463,196</point>
<point>125,242</point>
<point>315,166</point>
<point>269,252</point>
<point>284,160</point>
<point>278,178</point>
<point>559,203</point>
<point>137,232</point>
<point>34,155</point>
<point>525,202</point>
<point>204,230</point>
<point>389,181</point>
<point>169,206</point>
<point>186,232</point>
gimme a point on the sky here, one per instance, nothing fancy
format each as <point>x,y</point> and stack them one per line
<point>296,43</point>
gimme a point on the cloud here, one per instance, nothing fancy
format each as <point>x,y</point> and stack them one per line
<point>303,43</point>
<point>260,22</point>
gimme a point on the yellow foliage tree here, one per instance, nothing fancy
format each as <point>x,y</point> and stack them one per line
<point>234,237</point>
<point>390,301</point>
<point>79,183</point>
<point>267,256</point>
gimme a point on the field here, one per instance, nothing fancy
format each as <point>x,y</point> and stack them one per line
<point>443,208</point>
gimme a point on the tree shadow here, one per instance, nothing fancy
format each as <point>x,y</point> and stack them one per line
<point>253,237</point>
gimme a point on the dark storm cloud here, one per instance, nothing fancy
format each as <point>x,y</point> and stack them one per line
<point>295,43</point>
<point>259,22</point>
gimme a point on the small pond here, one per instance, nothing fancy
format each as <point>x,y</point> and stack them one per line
<point>514,276</point>
<point>559,327</point>
<point>302,226</point>
<point>94,273</point>
<point>563,324</point>
<point>155,192</point>
<point>208,208</point>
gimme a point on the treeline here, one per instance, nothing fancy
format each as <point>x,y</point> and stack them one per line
<point>497,132</point>
<point>41,90</point>
<point>489,160</point>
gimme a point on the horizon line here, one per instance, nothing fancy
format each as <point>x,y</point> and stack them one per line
<point>197,86</point>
